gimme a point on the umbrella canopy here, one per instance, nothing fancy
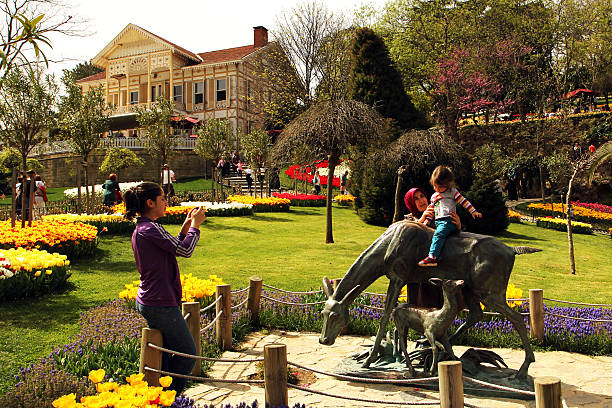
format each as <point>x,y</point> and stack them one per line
<point>187,118</point>
<point>577,92</point>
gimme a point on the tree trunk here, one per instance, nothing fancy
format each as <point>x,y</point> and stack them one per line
<point>13,197</point>
<point>79,198</point>
<point>23,192</point>
<point>329,236</point>
<point>570,238</point>
<point>31,201</point>
<point>87,197</point>
<point>398,187</point>
<point>542,189</point>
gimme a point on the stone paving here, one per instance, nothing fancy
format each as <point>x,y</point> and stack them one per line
<point>586,381</point>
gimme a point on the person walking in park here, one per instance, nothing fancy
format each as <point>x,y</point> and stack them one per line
<point>443,203</point>
<point>40,197</point>
<point>343,181</point>
<point>511,187</point>
<point>316,181</point>
<point>248,175</point>
<point>112,192</point>
<point>167,180</point>
<point>524,183</point>
<point>159,295</point>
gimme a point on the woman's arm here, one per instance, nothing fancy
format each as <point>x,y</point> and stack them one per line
<point>181,246</point>
<point>456,220</point>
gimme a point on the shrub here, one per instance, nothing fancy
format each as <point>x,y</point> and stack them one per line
<point>221,209</point>
<point>561,225</point>
<point>32,273</point>
<point>489,162</point>
<point>488,201</point>
<point>345,199</point>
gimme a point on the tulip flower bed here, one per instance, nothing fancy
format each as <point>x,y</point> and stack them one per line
<point>194,289</point>
<point>136,393</point>
<point>262,204</point>
<point>98,191</point>
<point>74,239</point>
<point>222,209</point>
<point>303,200</point>
<point>584,214</point>
<point>345,199</point>
<point>109,340</point>
<point>105,223</point>
<point>561,225</point>
<point>31,273</point>
<point>514,216</point>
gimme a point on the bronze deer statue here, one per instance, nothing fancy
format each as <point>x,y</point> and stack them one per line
<point>484,263</point>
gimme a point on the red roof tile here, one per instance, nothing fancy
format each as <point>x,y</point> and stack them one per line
<point>94,77</point>
<point>229,54</point>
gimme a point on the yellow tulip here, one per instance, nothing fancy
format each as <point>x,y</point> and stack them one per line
<point>37,274</point>
<point>97,375</point>
<point>48,272</point>
<point>66,401</point>
<point>167,397</point>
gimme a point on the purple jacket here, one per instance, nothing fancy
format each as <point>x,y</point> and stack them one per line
<point>155,251</point>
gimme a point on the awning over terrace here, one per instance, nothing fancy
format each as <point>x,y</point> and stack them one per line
<point>580,92</point>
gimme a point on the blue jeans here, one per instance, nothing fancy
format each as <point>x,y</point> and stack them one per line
<point>444,227</point>
<point>176,336</point>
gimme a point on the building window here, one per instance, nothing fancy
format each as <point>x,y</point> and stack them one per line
<point>249,94</point>
<point>153,94</point>
<point>198,92</point>
<point>221,89</point>
<point>178,93</point>
<point>133,97</point>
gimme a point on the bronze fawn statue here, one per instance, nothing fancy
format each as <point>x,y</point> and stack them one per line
<point>483,262</point>
<point>432,323</point>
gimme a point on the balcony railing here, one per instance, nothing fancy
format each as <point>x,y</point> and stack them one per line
<point>132,143</point>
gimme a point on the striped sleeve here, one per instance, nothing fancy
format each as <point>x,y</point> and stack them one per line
<point>429,213</point>
<point>183,246</point>
<point>461,200</point>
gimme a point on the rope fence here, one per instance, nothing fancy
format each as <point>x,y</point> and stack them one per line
<point>578,303</point>
<point>579,318</point>
<point>372,401</point>
<point>292,303</point>
<point>314,292</point>
<point>211,305</point>
<point>152,350</point>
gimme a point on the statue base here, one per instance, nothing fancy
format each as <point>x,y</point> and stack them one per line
<point>390,367</point>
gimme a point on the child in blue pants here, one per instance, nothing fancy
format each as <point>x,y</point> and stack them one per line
<point>443,203</point>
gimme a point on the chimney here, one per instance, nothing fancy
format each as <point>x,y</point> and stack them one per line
<point>260,36</point>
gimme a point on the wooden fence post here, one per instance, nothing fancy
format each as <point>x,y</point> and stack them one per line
<point>255,284</point>
<point>275,375</point>
<point>450,384</point>
<point>224,322</point>
<point>548,392</point>
<point>150,357</point>
<point>193,322</point>
<point>536,314</point>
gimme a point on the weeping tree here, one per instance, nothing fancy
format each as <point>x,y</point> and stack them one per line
<point>84,117</point>
<point>330,129</point>
<point>256,146</point>
<point>213,140</point>
<point>27,98</point>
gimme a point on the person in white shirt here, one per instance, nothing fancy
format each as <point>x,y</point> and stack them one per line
<point>39,198</point>
<point>168,179</point>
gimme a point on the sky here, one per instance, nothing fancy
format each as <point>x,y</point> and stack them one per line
<point>198,26</point>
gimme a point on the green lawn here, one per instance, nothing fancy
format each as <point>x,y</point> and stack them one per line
<point>288,251</point>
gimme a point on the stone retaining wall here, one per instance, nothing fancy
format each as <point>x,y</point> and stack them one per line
<point>60,169</point>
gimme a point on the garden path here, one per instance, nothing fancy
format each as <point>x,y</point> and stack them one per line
<point>586,381</point>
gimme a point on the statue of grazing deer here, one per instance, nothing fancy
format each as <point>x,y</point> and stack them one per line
<point>432,323</point>
<point>483,262</point>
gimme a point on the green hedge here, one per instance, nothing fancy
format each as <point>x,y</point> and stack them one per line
<point>550,224</point>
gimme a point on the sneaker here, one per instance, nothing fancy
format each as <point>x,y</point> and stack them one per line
<point>429,261</point>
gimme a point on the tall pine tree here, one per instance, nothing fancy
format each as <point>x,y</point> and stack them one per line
<point>375,81</point>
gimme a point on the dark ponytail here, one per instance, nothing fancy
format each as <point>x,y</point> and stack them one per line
<point>136,198</point>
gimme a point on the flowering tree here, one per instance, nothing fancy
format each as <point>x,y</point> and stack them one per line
<point>256,146</point>
<point>462,86</point>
